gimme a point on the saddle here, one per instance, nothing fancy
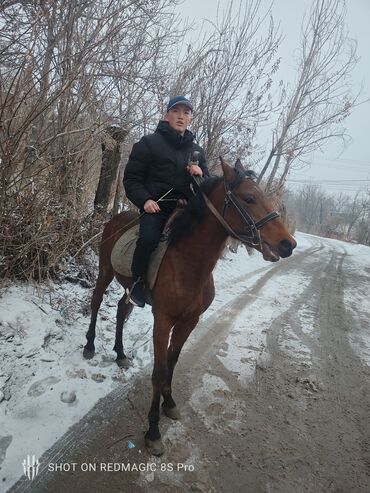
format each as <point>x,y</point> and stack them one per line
<point>124,248</point>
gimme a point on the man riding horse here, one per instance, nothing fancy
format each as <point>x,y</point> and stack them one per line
<point>159,167</point>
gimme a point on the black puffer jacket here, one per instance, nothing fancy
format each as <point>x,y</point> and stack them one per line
<point>158,163</point>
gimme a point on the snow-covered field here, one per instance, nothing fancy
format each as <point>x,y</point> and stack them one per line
<point>46,385</point>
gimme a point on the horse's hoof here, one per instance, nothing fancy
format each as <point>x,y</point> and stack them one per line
<point>154,447</point>
<point>88,354</point>
<point>171,412</point>
<point>124,363</point>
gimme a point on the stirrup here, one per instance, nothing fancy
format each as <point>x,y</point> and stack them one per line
<point>129,298</point>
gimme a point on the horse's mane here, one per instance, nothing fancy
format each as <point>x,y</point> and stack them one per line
<point>191,216</point>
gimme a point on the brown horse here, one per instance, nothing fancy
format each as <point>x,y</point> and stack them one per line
<point>232,205</point>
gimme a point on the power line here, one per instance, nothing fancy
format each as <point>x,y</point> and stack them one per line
<point>350,186</point>
<point>309,180</point>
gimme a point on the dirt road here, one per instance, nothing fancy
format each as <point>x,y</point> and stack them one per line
<point>289,412</point>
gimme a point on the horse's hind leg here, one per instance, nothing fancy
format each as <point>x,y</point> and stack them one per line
<point>180,334</point>
<point>123,312</point>
<point>104,279</point>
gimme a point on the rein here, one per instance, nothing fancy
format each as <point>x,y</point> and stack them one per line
<point>253,237</point>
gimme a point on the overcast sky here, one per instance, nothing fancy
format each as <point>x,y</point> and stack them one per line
<point>336,172</point>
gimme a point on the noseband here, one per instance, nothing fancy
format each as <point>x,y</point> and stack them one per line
<point>252,236</point>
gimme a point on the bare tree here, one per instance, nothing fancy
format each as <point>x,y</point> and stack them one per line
<point>311,206</point>
<point>321,98</point>
<point>357,211</point>
<point>335,216</point>
<point>63,81</point>
<point>71,69</point>
<point>228,73</point>
<point>362,227</point>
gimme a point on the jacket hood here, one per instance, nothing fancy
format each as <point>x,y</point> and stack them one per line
<point>174,137</point>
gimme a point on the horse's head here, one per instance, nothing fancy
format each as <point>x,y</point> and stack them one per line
<point>250,215</point>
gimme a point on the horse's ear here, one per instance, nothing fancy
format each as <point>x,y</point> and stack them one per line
<point>239,166</point>
<point>228,171</point>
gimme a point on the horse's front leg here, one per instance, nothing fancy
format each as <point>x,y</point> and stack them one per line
<point>180,334</point>
<point>161,332</point>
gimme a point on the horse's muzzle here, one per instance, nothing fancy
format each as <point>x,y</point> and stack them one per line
<point>286,247</point>
<point>282,250</point>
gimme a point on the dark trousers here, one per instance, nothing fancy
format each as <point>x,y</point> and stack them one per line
<point>151,227</point>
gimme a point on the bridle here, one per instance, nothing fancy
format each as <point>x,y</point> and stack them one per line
<point>252,237</point>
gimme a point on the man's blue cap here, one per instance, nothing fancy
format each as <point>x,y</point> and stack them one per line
<point>179,100</point>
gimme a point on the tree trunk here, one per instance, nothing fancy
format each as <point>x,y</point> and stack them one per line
<point>109,168</point>
<point>273,172</point>
<point>118,198</point>
<point>266,166</point>
<point>285,172</point>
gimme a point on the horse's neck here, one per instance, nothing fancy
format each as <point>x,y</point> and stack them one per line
<point>204,245</point>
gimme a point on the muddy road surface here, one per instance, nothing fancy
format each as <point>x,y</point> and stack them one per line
<point>274,393</point>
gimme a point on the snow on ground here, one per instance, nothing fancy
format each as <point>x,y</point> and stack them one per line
<point>209,402</point>
<point>355,264</point>
<point>249,328</point>
<point>356,272</point>
<point>357,297</point>
<point>46,385</point>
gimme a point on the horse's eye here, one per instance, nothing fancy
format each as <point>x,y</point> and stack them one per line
<point>249,199</point>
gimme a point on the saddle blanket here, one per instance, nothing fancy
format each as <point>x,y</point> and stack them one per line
<point>123,252</point>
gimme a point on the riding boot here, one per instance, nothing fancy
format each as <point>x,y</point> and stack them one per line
<point>137,293</point>
<point>151,226</point>
<point>139,269</point>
